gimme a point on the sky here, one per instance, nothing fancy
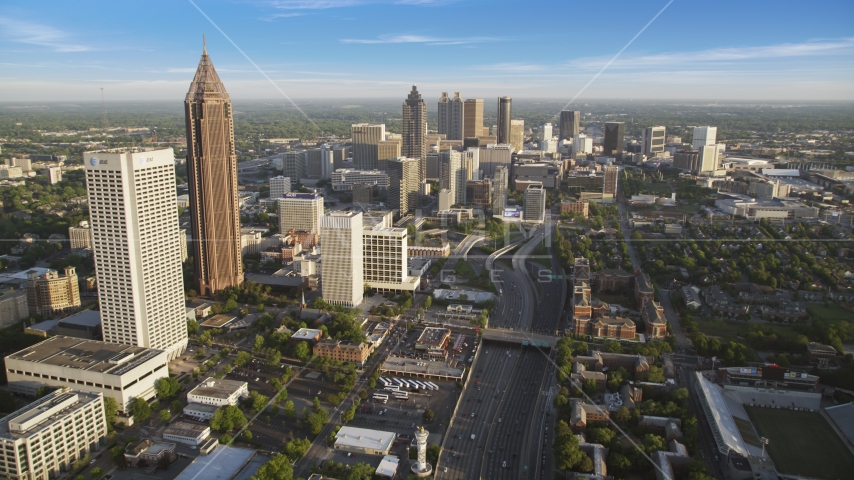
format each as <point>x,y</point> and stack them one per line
<point>351,49</point>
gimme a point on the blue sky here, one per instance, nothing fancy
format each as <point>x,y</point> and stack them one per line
<point>723,50</point>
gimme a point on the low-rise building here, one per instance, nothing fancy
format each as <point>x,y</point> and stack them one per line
<point>343,351</point>
<point>578,207</point>
<point>597,361</point>
<point>148,453</point>
<point>691,297</point>
<point>218,392</point>
<point>643,288</point>
<point>669,428</point>
<point>43,439</point>
<point>820,353</point>
<point>363,440</point>
<point>433,338</point>
<point>121,372</point>
<point>583,414</point>
<point>199,411</point>
<point>13,308</point>
<point>654,320</point>
<point>187,433</point>
<point>613,280</point>
<point>310,335</point>
<point>581,375</point>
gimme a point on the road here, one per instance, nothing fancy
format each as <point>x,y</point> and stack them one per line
<point>670,314</point>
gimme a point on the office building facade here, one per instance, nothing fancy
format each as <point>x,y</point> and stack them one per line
<point>342,258</point>
<point>300,211</point>
<point>366,139</point>
<point>403,177</point>
<point>569,123</point>
<point>504,112</point>
<point>384,258</point>
<point>13,308</point>
<point>479,192</point>
<point>345,179</point>
<point>534,207</point>
<point>500,182</point>
<point>451,174</point>
<point>415,131</point>
<point>611,180</point>
<point>294,165</point>
<point>279,186</point>
<point>80,236</point>
<point>704,136</point>
<point>581,143</point>
<point>493,156</point>
<point>451,116</point>
<point>653,141</point>
<point>212,179</point>
<point>473,118</point>
<point>45,438</point>
<point>133,214</point>
<point>52,293</point>
<point>613,142</point>
<point>517,135</point>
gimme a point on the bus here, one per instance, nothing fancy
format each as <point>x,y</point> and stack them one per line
<point>380,396</point>
<point>397,381</point>
<point>392,388</point>
<point>384,381</point>
<point>420,385</point>
<point>432,386</point>
<point>405,383</point>
<point>401,396</point>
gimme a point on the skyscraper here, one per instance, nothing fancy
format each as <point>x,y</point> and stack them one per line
<point>569,122</point>
<point>133,215</point>
<point>504,109</point>
<point>473,118</point>
<point>517,135</point>
<point>612,175</point>
<point>613,142</point>
<point>300,211</point>
<point>451,116</point>
<point>403,194</point>
<point>415,131</point>
<point>704,136</point>
<point>653,141</point>
<point>366,139</point>
<point>212,172</point>
<point>708,160</point>
<point>451,174</point>
<point>342,258</point>
<point>499,189</point>
<point>546,132</point>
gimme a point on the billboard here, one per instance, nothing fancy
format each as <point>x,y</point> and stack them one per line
<point>512,213</point>
<point>773,372</point>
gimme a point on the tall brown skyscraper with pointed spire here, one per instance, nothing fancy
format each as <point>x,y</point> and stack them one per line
<point>415,130</point>
<point>212,170</point>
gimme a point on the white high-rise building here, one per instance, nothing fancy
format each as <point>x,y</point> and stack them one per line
<point>384,257</point>
<point>704,136</point>
<point>54,175</point>
<point>545,132</point>
<point>342,263</point>
<point>136,243</point>
<point>708,158</point>
<point>535,203</point>
<point>581,143</point>
<point>446,200</point>
<point>300,211</point>
<point>279,186</point>
<point>451,175</point>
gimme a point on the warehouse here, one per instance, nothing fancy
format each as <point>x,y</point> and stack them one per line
<point>363,440</point>
<point>187,433</point>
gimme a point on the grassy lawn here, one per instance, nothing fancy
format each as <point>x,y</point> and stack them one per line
<point>733,330</point>
<point>802,443</point>
<point>831,314</point>
<point>689,208</point>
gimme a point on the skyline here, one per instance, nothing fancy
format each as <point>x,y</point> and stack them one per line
<point>749,52</point>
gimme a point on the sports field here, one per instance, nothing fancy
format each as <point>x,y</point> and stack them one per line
<point>802,443</point>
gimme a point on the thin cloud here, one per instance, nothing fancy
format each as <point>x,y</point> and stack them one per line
<point>275,16</point>
<point>513,67</point>
<point>427,40</point>
<point>719,55</point>
<point>37,34</point>
<point>328,4</point>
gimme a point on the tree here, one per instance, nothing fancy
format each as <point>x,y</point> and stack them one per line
<point>44,390</point>
<point>296,448</point>
<point>225,439</point>
<point>651,443</point>
<point>192,327</point>
<point>247,435</point>
<point>586,464</point>
<point>96,473</point>
<point>360,471</point>
<point>428,302</point>
<point>348,415</point>
<point>290,409</point>
<point>167,387</point>
<point>259,344</point>
<point>242,358</point>
<point>618,465</point>
<point>601,436</point>
<point>622,415</point>
<point>282,395</point>
<point>428,416</point>
<point>228,418</point>
<point>257,401</point>
<point>655,374</point>
<point>301,351</point>
<point>277,468</point>
<point>316,403</point>
<point>111,410</point>
<point>176,406</point>
<point>165,415</point>
<point>591,387</point>
<point>566,451</point>
<point>140,409</point>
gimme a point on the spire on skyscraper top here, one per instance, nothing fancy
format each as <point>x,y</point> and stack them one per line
<point>206,83</point>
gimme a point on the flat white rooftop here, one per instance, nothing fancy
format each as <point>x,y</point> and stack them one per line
<point>364,438</point>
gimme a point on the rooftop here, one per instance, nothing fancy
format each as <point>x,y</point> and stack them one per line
<point>150,447</point>
<point>223,464</point>
<point>218,321</point>
<point>433,335</point>
<point>90,355</point>
<point>28,419</point>
<point>86,318</point>
<point>721,417</point>
<point>184,429</point>
<point>217,388</point>
<point>364,438</point>
<point>306,334</point>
